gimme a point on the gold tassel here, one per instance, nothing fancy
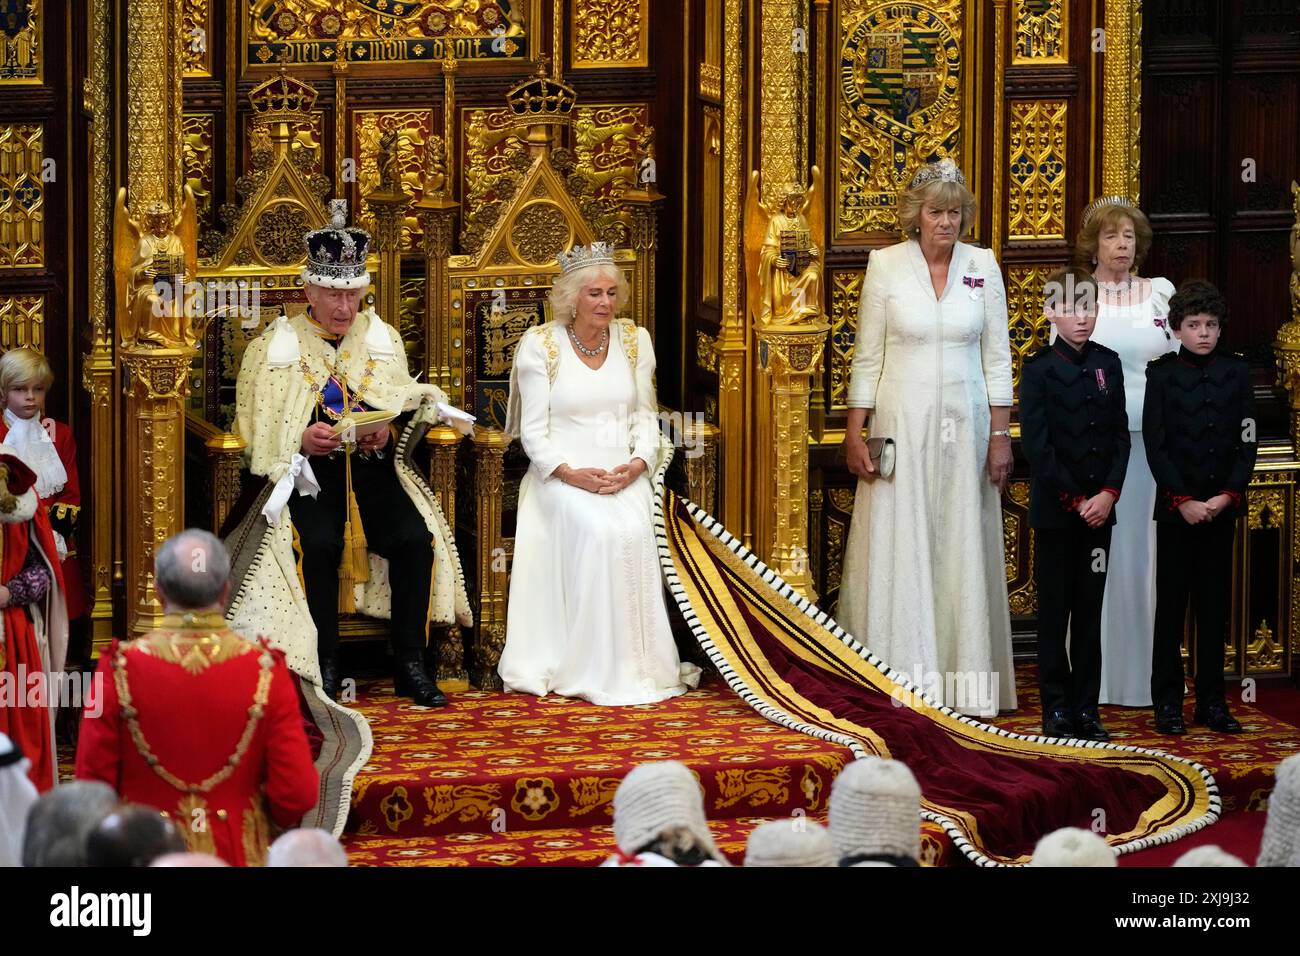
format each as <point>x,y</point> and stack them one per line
<point>354,568</point>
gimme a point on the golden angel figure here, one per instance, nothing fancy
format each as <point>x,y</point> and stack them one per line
<point>783,252</point>
<point>155,254</point>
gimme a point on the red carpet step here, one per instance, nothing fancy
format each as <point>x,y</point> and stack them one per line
<point>494,763</point>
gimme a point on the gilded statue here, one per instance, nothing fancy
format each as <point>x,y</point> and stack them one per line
<point>155,255</point>
<point>390,171</point>
<point>783,253</point>
<point>435,167</point>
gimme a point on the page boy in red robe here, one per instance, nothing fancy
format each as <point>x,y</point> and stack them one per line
<point>48,448</point>
<point>34,620</point>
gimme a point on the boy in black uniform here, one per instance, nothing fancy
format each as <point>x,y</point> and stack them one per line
<point>1074,431</point>
<point>1198,423</point>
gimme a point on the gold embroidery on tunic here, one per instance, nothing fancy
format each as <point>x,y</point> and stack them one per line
<point>256,837</point>
<point>192,820</point>
<point>193,642</point>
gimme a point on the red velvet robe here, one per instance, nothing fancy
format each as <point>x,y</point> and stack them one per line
<point>192,687</point>
<point>27,719</point>
<point>64,508</point>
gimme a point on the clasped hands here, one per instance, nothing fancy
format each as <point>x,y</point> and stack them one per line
<point>319,439</point>
<point>1095,510</point>
<point>1199,512</point>
<point>598,481</point>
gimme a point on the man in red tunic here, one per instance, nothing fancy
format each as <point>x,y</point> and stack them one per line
<point>34,621</point>
<point>198,721</point>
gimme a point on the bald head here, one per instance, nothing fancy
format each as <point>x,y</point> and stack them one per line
<point>307,847</point>
<point>192,572</point>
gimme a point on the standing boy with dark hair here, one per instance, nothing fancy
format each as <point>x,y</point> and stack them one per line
<point>1075,433</point>
<point>1198,423</point>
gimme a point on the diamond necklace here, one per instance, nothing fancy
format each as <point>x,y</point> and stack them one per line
<point>590,353</point>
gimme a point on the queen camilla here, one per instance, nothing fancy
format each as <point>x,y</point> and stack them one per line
<point>586,616</point>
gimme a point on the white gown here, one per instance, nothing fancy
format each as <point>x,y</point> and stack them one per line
<point>924,581</point>
<point>586,616</point>
<point>1128,611</point>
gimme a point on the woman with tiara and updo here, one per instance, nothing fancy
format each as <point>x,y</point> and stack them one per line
<point>587,616</point>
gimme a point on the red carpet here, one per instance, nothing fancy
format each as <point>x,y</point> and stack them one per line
<point>512,780</point>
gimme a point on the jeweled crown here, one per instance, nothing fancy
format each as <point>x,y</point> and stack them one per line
<point>1102,203</point>
<point>945,171</point>
<point>336,252</point>
<point>579,257</point>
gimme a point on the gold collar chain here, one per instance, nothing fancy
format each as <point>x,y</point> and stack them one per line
<point>131,716</point>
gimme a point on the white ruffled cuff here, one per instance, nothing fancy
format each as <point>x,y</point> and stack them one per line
<point>299,477</point>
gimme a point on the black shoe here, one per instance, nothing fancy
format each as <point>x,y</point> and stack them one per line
<point>1058,724</point>
<point>329,677</point>
<point>1218,718</point>
<point>1088,726</point>
<point>1169,719</point>
<point>413,681</point>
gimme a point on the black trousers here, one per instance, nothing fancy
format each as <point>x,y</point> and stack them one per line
<point>1192,562</point>
<point>394,530</point>
<point>1070,572</point>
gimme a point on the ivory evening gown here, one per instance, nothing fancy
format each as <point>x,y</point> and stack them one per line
<point>587,616</point>
<point>924,580</point>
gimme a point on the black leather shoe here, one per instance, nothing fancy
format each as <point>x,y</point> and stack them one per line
<point>413,681</point>
<point>1088,726</point>
<point>1218,718</point>
<point>1169,719</point>
<point>1058,724</point>
<point>329,677</point>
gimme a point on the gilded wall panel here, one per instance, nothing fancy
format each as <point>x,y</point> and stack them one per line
<point>411,321</point>
<point>1042,31</point>
<point>1028,329</point>
<point>22,196</point>
<point>198,37</point>
<point>387,31</point>
<point>197,130</point>
<point>900,76</point>
<point>846,289</point>
<point>22,322</point>
<point>609,33</point>
<point>605,138</point>
<point>414,129</point>
<point>1036,185</point>
<point>488,140</point>
<point>21,58</point>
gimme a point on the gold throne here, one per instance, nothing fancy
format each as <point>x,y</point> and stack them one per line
<point>541,204</point>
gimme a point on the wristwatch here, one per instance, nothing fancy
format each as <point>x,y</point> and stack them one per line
<point>1000,433</point>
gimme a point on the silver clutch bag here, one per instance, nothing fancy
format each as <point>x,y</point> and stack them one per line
<point>881,451</point>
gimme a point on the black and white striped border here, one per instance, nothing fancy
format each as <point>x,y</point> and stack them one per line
<point>820,617</point>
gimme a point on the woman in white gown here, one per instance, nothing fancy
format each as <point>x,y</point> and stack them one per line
<point>924,585</point>
<point>586,616</point>
<point>1132,319</point>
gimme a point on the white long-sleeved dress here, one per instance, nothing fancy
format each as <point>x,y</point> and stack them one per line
<point>924,580</point>
<point>586,616</point>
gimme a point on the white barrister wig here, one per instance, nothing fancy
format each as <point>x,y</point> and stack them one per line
<point>1282,828</point>
<point>875,809</point>
<point>655,798</point>
<point>1071,846</point>
<point>793,842</point>
<point>1208,856</point>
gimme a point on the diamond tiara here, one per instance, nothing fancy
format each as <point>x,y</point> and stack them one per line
<point>1102,202</point>
<point>945,170</point>
<point>579,257</point>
